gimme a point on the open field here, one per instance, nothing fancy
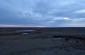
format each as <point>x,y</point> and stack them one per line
<point>64,41</point>
<point>62,32</point>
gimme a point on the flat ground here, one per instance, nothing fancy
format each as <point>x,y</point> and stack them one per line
<point>40,44</point>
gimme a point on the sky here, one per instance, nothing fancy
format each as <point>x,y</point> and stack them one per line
<point>42,13</point>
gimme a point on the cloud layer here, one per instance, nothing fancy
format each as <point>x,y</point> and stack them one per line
<point>51,13</point>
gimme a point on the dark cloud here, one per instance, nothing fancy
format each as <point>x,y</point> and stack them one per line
<point>42,12</point>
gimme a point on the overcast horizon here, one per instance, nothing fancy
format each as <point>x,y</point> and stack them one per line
<point>42,13</point>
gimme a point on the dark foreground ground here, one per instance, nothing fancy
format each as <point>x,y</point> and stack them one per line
<point>44,42</point>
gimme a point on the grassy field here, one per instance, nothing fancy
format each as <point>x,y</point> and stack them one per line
<point>43,43</point>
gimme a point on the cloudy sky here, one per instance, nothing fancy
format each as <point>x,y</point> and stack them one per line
<point>48,13</point>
